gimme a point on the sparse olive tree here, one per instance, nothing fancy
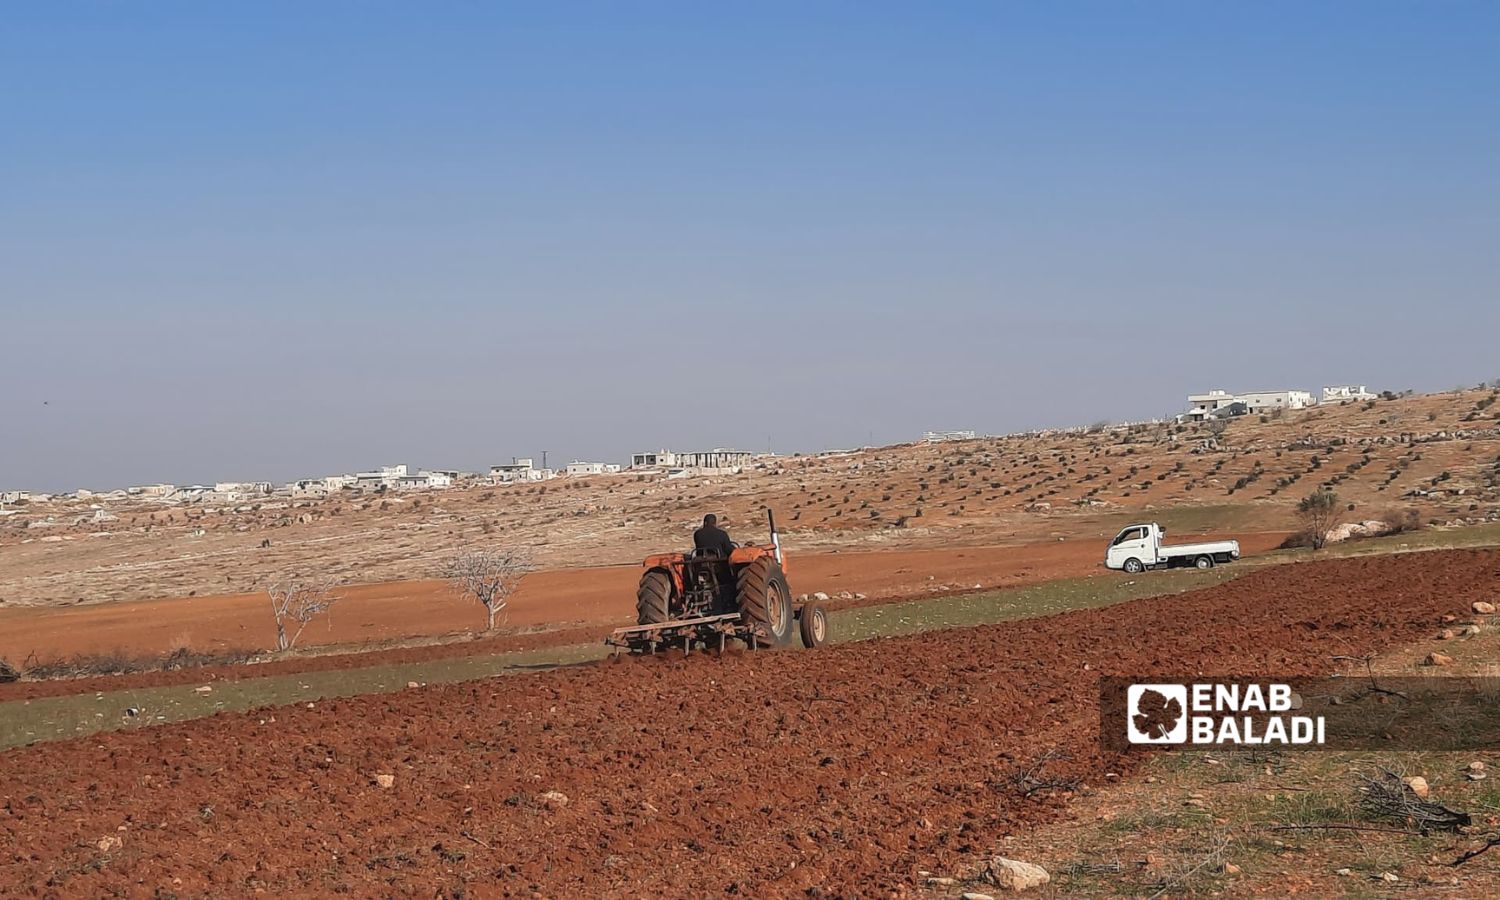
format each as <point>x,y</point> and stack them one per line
<point>490,576</point>
<point>1319,513</point>
<point>298,602</point>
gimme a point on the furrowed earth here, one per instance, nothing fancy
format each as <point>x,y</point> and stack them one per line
<point>850,769</point>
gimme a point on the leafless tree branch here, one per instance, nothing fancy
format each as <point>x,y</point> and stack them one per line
<point>298,602</point>
<point>490,576</point>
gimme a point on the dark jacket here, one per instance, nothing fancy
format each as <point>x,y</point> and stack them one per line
<point>713,539</point>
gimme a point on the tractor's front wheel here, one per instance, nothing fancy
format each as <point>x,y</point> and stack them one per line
<point>652,598</point>
<point>765,600</point>
<point>814,623</point>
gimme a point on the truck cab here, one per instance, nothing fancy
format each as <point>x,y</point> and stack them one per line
<point>1134,542</point>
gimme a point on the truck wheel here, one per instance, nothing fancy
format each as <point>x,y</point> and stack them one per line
<point>1133,566</point>
<point>1204,562</point>
<point>765,600</point>
<point>814,625</point>
<point>652,598</point>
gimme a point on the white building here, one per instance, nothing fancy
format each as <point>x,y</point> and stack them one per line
<point>1203,406</point>
<point>309,487</point>
<point>1338,393</point>
<point>519,469</point>
<point>1266,401</point>
<point>376,480</point>
<point>577,467</point>
<point>438,479</point>
<point>243,488</point>
<point>938,437</point>
<point>719,458</point>
<point>653,460</point>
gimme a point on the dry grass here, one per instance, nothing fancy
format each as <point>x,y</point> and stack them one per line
<point>120,662</point>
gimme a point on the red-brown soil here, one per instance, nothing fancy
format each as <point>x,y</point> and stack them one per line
<point>559,598</point>
<point>849,768</point>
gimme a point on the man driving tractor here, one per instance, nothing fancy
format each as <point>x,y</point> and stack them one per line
<point>717,593</point>
<point>711,538</point>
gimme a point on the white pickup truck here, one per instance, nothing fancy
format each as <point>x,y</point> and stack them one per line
<point>1139,547</point>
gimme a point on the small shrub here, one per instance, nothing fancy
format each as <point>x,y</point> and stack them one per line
<point>1319,513</point>
<point>1401,521</point>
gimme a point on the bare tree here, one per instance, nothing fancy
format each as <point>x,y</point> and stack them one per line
<point>1319,513</point>
<point>299,602</point>
<point>489,576</point>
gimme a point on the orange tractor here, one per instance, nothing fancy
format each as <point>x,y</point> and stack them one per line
<point>707,598</point>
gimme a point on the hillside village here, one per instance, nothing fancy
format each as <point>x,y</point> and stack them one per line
<point>1215,404</point>
<point>1437,454</point>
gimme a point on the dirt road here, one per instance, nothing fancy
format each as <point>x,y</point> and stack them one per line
<point>763,774</point>
<point>596,596</point>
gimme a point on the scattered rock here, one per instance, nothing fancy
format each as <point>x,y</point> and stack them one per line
<point>1418,786</point>
<point>1231,869</point>
<point>554,799</point>
<point>1476,766</point>
<point>1388,877</point>
<point>204,689</point>
<point>1449,619</point>
<point>1438,659</point>
<point>1470,630</point>
<point>1344,872</point>
<point>1014,875</point>
<point>109,842</point>
<point>975,895</point>
<point>1447,634</point>
<point>858,595</point>
<point>820,597</point>
<point>942,881</point>
<point>412,684</point>
<point>1484,608</point>
<point>385,781</point>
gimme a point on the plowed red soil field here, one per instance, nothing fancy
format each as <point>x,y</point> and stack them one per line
<point>561,597</point>
<point>847,769</point>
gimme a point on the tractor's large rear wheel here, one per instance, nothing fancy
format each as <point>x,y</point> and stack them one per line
<point>765,600</point>
<point>652,598</point>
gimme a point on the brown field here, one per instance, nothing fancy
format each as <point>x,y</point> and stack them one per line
<point>852,769</point>
<point>370,613</point>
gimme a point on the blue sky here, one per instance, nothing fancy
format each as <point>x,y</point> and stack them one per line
<point>272,240</point>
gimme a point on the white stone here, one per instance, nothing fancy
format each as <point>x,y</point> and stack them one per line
<point>1014,875</point>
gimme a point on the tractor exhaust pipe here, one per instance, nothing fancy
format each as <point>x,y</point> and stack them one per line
<point>775,538</point>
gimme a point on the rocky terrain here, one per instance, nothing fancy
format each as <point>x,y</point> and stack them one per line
<point>1437,455</point>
